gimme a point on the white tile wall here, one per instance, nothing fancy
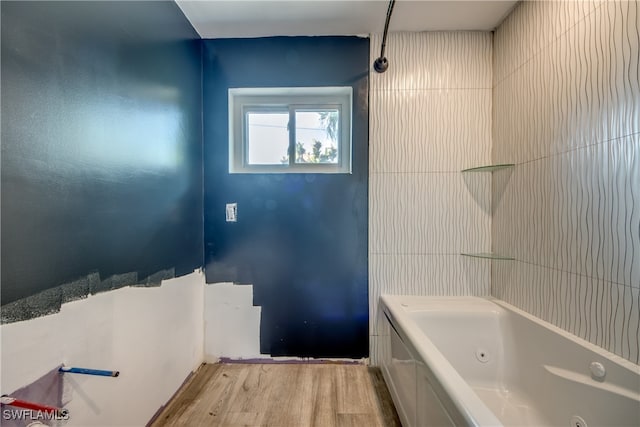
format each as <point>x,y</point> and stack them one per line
<point>566,110</point>
<point>537,25</point>
<point>430,118</point>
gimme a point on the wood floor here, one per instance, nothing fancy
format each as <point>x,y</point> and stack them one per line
<point>282,395</point>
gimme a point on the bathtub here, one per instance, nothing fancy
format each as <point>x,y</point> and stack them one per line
<point>481,362</point>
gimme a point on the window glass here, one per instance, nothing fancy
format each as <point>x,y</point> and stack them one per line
<point>317,136</point>
<point>290,130</point>
<point>267,138</point>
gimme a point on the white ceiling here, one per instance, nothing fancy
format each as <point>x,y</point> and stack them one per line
<point>261,18</point>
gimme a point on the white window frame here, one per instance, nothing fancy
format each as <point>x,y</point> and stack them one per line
<point>243,100</point>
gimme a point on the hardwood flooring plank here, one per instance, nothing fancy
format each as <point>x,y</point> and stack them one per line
<point>324,398</point>
<point>251,396</point>
<point>357,420</point>
<point>210,406</point>
<point>384,402</point>
<point>236,419</point>
<point>219,395</point>
<point>290,397</point>
<point>282,395</point>
<point>353,390</point>
<point>187,395</point>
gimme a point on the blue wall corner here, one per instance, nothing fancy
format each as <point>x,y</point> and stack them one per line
<point>102,168</point>
<point>101,143</point>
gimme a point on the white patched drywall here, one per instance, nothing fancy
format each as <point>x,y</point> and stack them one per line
<point>231,322</point>
<point>152,335</point>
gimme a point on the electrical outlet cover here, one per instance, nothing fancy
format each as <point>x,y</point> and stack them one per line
<point>232,212</point>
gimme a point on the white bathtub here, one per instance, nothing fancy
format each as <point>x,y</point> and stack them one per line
<point>481,362</point>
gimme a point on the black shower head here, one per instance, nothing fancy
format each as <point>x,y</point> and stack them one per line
<point>381,64</point>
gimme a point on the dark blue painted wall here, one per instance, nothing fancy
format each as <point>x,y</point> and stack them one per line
<point>300,239</point>
<point>101,142</point>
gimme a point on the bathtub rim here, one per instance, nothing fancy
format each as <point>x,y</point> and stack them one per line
<point>465,401</point>
<point>457,391</point>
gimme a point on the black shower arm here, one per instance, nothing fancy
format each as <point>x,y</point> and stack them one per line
<point>381,64</point>
<point>386,27</point>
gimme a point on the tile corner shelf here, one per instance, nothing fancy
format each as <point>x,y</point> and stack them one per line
<point>489,168</point>
<point>487,255</point>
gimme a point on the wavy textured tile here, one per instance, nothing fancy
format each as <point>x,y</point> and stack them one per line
<point>428,213</point>
<point>429,275</point>
<point>604,313</point>
<point>433,60</point>
<point>430,118</point>
<point>577,212</point>
<point>430,131</point>
<point>380,350</point>
<point>531,27</point>
<point>581,89</point>
<point>567,111</point>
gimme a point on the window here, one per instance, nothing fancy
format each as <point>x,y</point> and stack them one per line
<point>290,130</point>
